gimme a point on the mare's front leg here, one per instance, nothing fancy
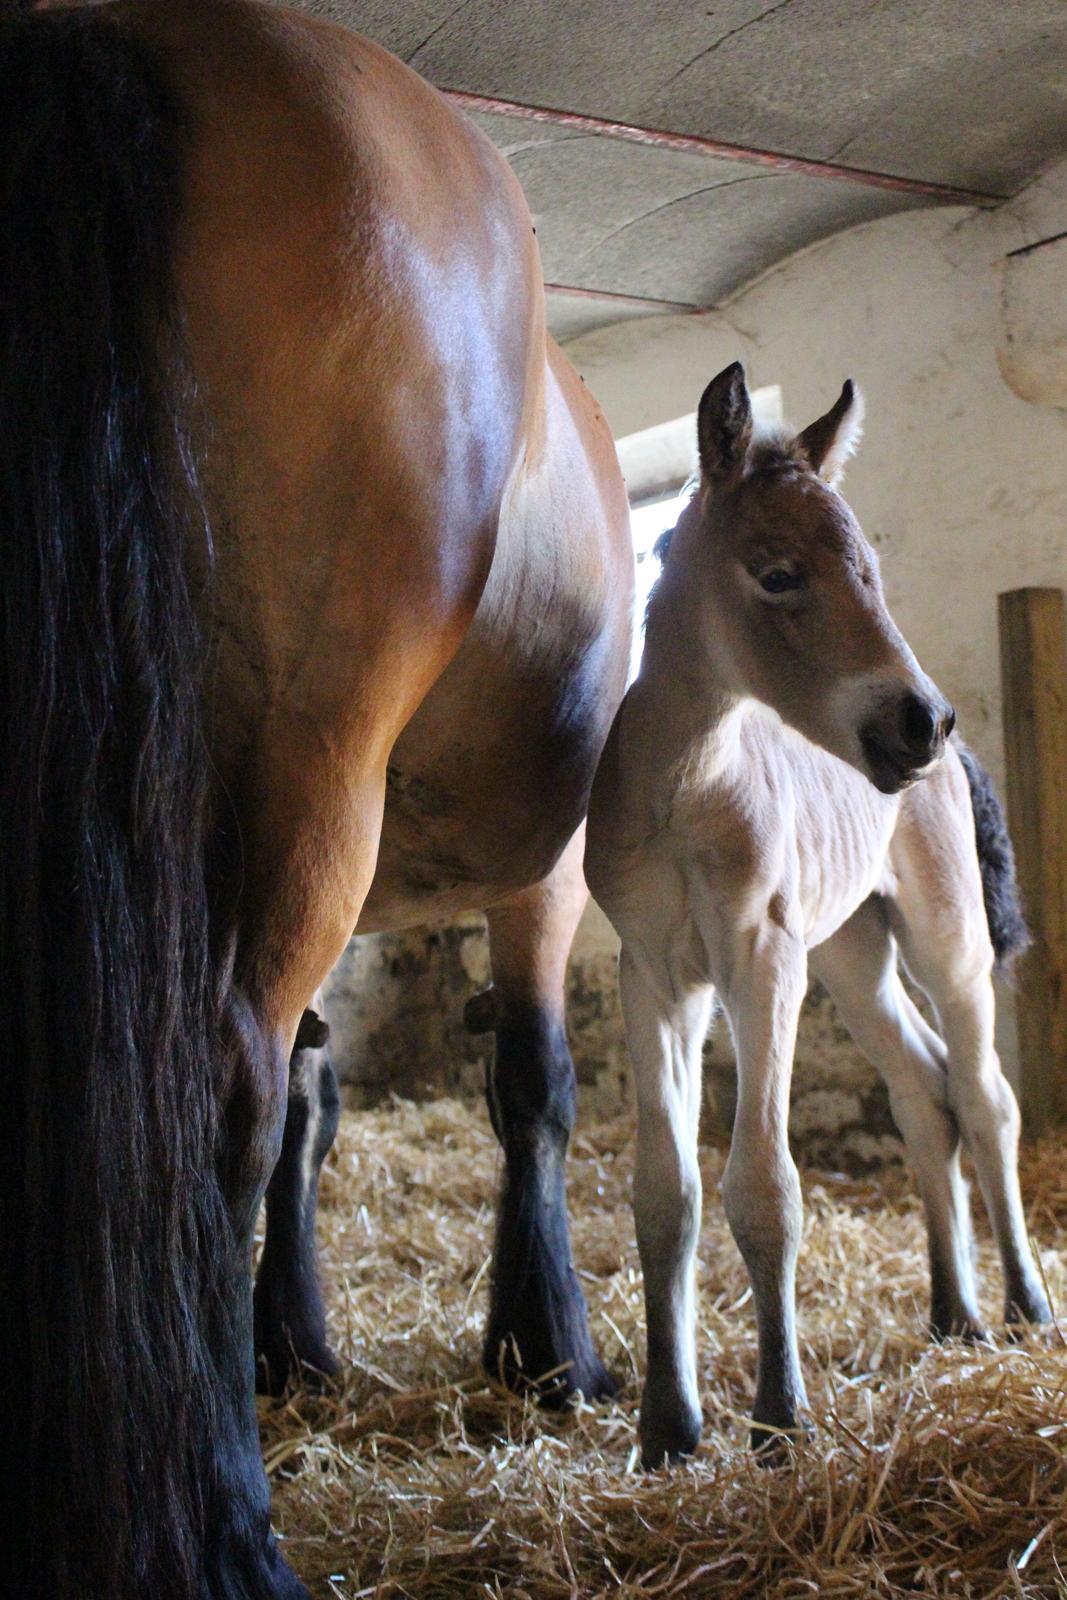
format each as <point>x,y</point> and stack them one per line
<point>290,1321</point>
<point>761,1187</point>
<point>538,1326</point>
<point>665,1035</point>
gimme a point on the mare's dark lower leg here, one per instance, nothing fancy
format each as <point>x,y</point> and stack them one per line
<point>290,1320</point>
<point>538,1331</point>
<point>241,1556</point>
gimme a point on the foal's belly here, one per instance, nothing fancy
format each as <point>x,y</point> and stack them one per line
<point>842,853</point>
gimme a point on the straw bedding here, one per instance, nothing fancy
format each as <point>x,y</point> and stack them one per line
<point>928,1472</point>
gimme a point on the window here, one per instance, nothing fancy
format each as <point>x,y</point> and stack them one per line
<point>647,522</point>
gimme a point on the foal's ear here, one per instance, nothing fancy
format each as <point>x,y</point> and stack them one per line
<point>830,442</point>
<point>724,426</point>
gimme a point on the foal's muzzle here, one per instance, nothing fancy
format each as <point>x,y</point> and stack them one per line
<point>906,737</point>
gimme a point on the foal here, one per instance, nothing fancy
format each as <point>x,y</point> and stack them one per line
<point>754,804</point>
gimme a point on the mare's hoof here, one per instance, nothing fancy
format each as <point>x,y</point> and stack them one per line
<point>312,1368</point>
<point>591,1380</point>
<point>555,1384</point>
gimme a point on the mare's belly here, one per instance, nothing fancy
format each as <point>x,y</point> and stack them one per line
<point>490,780</point>
<point>452,842</point>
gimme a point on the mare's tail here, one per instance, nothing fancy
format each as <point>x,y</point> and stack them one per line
<point>125,1467</point>
<point>1000,888</point>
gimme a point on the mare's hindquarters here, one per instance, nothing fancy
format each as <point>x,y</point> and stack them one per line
<point>132,1464</point>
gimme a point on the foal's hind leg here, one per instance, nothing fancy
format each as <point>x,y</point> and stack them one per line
<point>858,965</point>
<point>537,1316</point>
<point>940,922</point>
<point>290,1322</point>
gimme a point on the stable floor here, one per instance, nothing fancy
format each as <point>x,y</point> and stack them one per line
<point>929,1471</point>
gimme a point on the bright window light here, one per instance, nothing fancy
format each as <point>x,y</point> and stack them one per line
<point>656,463</point>
<point>647,522</point>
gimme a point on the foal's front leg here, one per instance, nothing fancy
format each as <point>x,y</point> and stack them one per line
<point>665,1036</point>
<point>761,1188</point>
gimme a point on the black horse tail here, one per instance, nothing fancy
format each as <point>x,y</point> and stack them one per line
<point>128,1467</point>
<point>996,858</point>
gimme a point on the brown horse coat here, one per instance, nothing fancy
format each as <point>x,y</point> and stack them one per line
<point>413,614</point>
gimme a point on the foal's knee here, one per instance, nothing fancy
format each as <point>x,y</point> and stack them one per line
<point>312,1116</point>
<point>762,1199</point>
<point>667,1202</point>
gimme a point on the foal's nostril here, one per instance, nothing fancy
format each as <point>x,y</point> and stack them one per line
<point>918,722</point>
<point>948,722</point>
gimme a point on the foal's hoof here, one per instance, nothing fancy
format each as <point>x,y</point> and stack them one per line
<point>669,1434</point>
<point>952,1317</point>
<point>772,1444</point>
<point>969,1330</point>
<point>776,1425</point>
<point>1028,1305</point>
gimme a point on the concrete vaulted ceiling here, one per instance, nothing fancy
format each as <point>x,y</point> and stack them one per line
<point>955,94</point>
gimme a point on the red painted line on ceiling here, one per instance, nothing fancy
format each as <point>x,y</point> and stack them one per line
<point>613,295</point>
<point>695,144</point>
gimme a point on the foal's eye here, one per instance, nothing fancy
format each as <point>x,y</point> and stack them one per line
<point>776,580</point>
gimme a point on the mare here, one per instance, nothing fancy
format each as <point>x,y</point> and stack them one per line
<point>316,583</point>
<point>758,814</point>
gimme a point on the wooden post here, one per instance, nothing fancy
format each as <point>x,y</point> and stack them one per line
<point>1033,665</point>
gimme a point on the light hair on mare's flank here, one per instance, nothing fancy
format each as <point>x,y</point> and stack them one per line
<point>758,814</point>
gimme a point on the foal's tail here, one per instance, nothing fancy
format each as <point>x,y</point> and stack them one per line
<point>115,1242</point>
<point>1000,888</point>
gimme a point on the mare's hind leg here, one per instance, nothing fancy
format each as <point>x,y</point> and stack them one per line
<point>290,1322</point>
<point>537,1316</point>
<point>940,921</point>
<point>858,965</point>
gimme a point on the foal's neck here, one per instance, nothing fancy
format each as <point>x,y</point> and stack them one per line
<point>681,681</point>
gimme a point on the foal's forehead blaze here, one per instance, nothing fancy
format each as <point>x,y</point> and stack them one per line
<point>790,511</point>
